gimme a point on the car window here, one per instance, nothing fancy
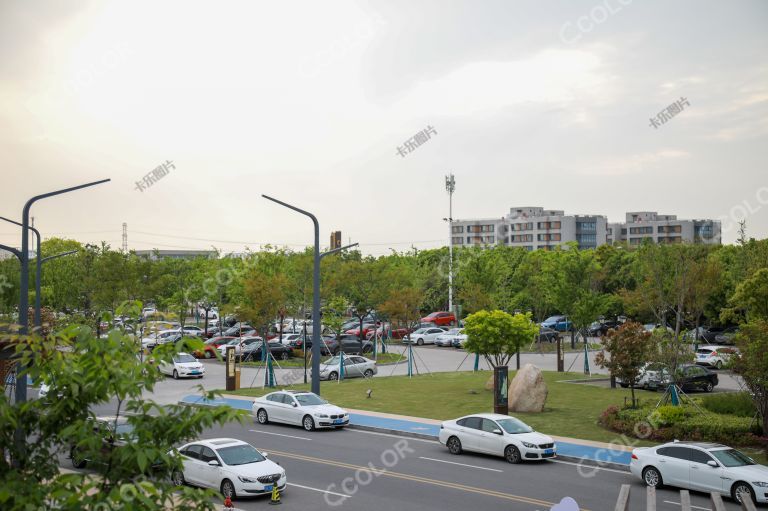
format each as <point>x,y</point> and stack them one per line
<point>488,425</point>
<point>436,331</point>
<point>683,453</point>
<point>698,456</point>
<point>275,398</point>
<point>207,455</point>
<point>732,458</point>
<point>287,399</point>
<point>192,451</point>
<point>472,422</point>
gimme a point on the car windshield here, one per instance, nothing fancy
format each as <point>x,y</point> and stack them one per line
<point>420,331</point>
<point>310,399</point>
<point>454,331</point>
<point>124,430</point>
<point>183,358</point>
<point>240,455</point>
<point>552,319</point>
<point>334,361</point>
<point>704,351</point>
<point>732,458</point>
<point>514,426</point>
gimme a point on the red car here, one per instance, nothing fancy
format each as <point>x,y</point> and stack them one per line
<point>210,349</point>
<point>440,318</point>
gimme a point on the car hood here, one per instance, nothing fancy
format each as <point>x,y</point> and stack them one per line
<point>327,409</point>
<point>534,438</point>
<point>189,365</point>
<point>255,470</point>
<point>750,472</point>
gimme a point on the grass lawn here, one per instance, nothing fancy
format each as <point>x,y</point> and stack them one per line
<point>572,409</point>
<point>298,360</point>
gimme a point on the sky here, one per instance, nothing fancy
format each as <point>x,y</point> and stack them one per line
<point>529,103</point>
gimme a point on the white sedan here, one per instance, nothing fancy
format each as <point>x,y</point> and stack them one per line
<point>702,467</point>
<point>233,467</point>
<point>300,408</point>
<point>501,435</point>
<point>446,338</point>
<point>425,335</point>
<point>182,364</point>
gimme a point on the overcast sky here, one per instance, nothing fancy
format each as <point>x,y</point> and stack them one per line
<point>534,103</point>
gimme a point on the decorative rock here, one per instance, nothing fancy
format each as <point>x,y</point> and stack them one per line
<point>489,383</point>
<point>528,391</point>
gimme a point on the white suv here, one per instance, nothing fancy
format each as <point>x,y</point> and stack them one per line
<point>714,356</point>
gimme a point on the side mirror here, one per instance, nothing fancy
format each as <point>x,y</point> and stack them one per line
<point>294,404</point>
<point>498,432</point>
<point>265,454</point>
<point>214,463</point>
<point>712,464</point>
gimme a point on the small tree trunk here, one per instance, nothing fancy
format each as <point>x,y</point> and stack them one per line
<point>632,391</point>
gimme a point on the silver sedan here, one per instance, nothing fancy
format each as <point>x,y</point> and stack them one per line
<point>354,367</point>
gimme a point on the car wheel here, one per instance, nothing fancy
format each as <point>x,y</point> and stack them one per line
<point>228,489</point>
<point>175,374</point>
<point>308,422</point>
<point>512,454</point>
<point>741,490</point>
<point>208,354</point>
<point>652,477</point>
<point>624,385</point>
<point>262,416</point>
<point>719,364</point>
<point>177,478</point>
<point>284,356</point>
<point>76,461</point>
<point>420,342</point>
<point>454,445</point>
<point>368,373</point>
<point>367,349</point>
<point>333,376</point>
<point>708,387</point>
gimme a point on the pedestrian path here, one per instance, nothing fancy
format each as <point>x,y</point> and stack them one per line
<point>429,429</point>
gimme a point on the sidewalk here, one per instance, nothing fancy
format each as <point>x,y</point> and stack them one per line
<point>570,449</point>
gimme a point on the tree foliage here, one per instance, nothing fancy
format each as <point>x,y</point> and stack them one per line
<point>629,348</point>
<point>497,335</point>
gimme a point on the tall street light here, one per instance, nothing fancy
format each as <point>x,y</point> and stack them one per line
<point>38,270</point>
<point>450,186</point>
<point>21,383</point>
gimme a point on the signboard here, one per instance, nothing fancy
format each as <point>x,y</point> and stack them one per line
<point>231,383</point>
<point>501,390</point>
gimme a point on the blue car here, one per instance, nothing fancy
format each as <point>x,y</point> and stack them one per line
<point>559,323</point>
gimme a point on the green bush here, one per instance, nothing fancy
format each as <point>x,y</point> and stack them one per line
<point>739,404</point>
<point>669,415</point>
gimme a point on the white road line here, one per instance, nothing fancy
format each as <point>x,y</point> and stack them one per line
<point>590,467</point>
<point>390,435</point>
<point>279,434</point>
<point>460,464</point>
<point>321,491</point>
<point>694,507</point>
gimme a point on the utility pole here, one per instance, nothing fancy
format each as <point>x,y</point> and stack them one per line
<point>450,186</point>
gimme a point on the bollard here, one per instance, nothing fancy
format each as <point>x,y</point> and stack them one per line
<point>275,500</point>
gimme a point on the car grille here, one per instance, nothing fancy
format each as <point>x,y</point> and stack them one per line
<point>336,416</point>
<point>546,446</point>
<point>272,478</point>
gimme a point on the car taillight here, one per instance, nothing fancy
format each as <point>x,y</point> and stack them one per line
<point>634,456</point>
<point>713,354</point>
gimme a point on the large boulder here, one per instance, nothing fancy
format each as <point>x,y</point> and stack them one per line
<point>528,391</point>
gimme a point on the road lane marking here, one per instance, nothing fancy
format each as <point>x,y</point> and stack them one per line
<point>460,464</point>
<point>591,466</point>
<point>279,434</point>
<point>419,479</point>
<point>695,507</point>
<point>390,435</point>
<point>321,491</point>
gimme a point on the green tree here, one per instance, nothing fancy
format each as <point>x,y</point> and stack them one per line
<point>751,297</point>
<point>497,335</point>
<point>630,346</point>
<point>751,364</point>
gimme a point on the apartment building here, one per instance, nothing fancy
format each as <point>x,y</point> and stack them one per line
<point>534,228</point>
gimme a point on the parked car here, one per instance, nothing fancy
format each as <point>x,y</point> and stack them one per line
<point>287,338</point>
<point>440,318</point>
<point>239,329</point>
<point>459,340</point>
<point>165,337</point>
<point>233,467</point>
<point>300,408</point>
<point>239,343</point>
<point>704,467</point>
<point>547,334</point>
<point>354,367</point>
<point>327,346</point>
<point>211,347</point>
<point>253,351</point>
<point>368,328</point>
<point>214,331</point>
<point>600,328</point>
<point>650,327</point>
<point>500,435</point>
<point>650,372</point>
<point>182,364</point>
<point>714,356</point>
<point>689,377</point>
<point>192,330</point>
<point>727,335</point>
<point>424,336</point>
<point>446,338</point>
<point>115,433</point>
<point>559,323</point>
<point>350,344</point>
<point>708,334</point>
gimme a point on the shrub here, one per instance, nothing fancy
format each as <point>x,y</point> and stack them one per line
<point>669,415</point>
<point>739,404</point>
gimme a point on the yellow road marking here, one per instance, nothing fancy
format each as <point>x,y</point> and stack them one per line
<point>425,480</point>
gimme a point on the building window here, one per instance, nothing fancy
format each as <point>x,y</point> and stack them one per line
<point>670,228</point>
<point>624,232</point>
<point>457,240</point>
<point>609,230</point>
<point>457,229</point>
<point>586,240</point>
<point>641,230</point>
<point>549,225</point>
<point>528,248</point>
<point>555,236</point>
<point>489,239</point>
<point>703,231</point>
<point>635,241</point>
<point>586,226</point>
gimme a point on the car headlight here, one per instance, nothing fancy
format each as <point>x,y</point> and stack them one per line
<point>247,479</point>
<point>530,445</point>
<point>321,415</point>
<point>761,484</point>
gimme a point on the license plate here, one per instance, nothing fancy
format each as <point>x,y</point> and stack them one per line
<point>702,356</point>
<point>268,487</point>
<point>549,451</point>
<point>194,372</point>
<point>338,421</point>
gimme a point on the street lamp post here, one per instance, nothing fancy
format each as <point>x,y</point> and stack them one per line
<point>21,383</point>
<point>38,270</point>
<point>450,186</point>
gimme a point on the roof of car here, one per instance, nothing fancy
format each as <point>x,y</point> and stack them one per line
<point>494,416</point>
<point>219,442</point>
<point>111,418</point>
<point>702,445</point>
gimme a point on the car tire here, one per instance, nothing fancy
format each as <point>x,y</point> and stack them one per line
<point>420,342</point>
<point>719,364</point>
<point>76,462</point>
<point>262,416</point>
<point>739,489</point>
<point>284,356</point>
<point>652,477</point>
<point>228,489</point>
<point>368,373</point>
<point>709,387</point>
<point>333,376</point>
<point>208,354</point>
<point>512,454</point>
<point>454,445</point>
<point>624,385</point>
<point>308,423</point>
<point>175,374</point>
<point>177,478</point>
